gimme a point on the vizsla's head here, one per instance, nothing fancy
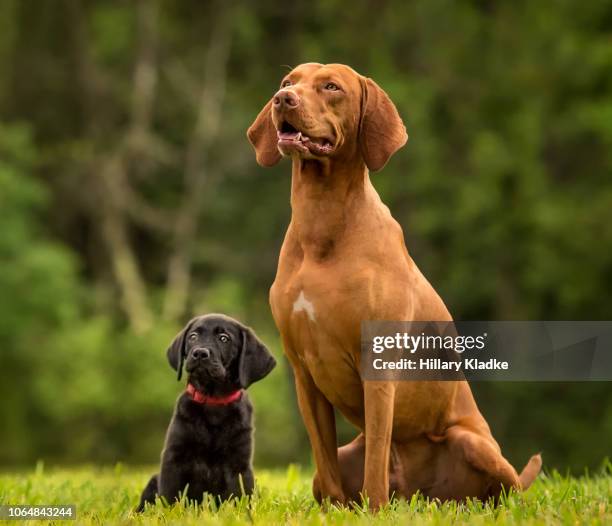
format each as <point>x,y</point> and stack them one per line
<point>328,111</point>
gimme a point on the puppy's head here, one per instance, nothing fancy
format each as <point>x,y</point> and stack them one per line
<point>219,353</point>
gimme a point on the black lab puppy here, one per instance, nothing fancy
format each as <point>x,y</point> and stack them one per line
<point>209,441</point>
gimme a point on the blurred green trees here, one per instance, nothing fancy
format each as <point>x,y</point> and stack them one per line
<point>130,199</point>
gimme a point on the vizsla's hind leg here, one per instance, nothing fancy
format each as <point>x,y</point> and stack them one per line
<point>462,464</point>
<point>472,465</point>
<point>486,458</point>
<point>465,465</point>
<point>351,458</point>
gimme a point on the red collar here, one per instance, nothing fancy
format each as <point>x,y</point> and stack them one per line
<point>201,398</point>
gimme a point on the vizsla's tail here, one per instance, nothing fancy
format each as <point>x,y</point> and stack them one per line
<point>531,471</point>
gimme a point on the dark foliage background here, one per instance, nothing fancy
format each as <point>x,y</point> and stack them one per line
<point>130,199</point>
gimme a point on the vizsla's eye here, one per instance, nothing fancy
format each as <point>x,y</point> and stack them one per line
<point>224,338</point>
<point>330,86</point>
<point>286,83</point>
<point>193,337</point>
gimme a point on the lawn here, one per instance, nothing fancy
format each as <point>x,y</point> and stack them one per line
<point>106,496</point>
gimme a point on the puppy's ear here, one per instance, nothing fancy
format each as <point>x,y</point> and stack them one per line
<point>177,349</point>
<point>262,135</point>
<point>255,360</point>
<point>381,130</point>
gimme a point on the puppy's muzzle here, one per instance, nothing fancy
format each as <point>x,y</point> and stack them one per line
<point>201,353</point>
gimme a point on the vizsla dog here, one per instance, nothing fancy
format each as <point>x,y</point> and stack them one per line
<point>344,260</point>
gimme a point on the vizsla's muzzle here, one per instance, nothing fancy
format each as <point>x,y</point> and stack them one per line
<point>285,100</point>
<point>292,116</point>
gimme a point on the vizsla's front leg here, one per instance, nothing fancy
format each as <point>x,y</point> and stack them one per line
<point>319,419</point>
<point>378,399</point>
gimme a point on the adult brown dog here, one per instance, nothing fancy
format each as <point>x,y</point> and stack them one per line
<point>343,261</point>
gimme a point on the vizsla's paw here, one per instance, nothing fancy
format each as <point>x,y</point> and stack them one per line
<point>375,502</point>
<point>316,488</point>
<point>337,500</point>
<point>333,496</point>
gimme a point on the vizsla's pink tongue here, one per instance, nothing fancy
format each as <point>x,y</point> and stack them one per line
<point>290,136</point>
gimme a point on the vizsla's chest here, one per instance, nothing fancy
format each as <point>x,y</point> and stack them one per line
<point>318,312</point>
<point>318,301</point>
<point>334,298</point>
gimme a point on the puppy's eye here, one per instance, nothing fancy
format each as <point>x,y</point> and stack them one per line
<point>193,337</point>
<point>330,86</point>
<point>285,83</point>
<point>224,338</point>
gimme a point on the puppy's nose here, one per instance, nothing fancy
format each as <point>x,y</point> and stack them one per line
<point>285,99</point>
<point>201,353</point>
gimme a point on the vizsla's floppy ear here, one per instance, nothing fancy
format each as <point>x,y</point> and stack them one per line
<point>176,351</point>
<point>381,130</point>
<point>255,360</point>
<point>262,135</point>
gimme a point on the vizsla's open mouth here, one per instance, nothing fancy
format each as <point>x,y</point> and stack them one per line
<point>291,139</point>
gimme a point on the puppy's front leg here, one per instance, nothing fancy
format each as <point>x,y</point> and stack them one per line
<point>238,484</point>
<point>173,478</point>
<point>379,398</point>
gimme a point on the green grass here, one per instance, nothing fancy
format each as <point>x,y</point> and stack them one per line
<point>107,496</point>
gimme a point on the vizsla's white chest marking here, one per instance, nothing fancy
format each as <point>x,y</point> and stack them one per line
<point>302,304</point>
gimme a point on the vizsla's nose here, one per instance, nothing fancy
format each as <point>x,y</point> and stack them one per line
<point>201,353</point>
<point>285,99</point>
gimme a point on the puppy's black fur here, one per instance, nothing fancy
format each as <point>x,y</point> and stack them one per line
<point>209,447</point>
